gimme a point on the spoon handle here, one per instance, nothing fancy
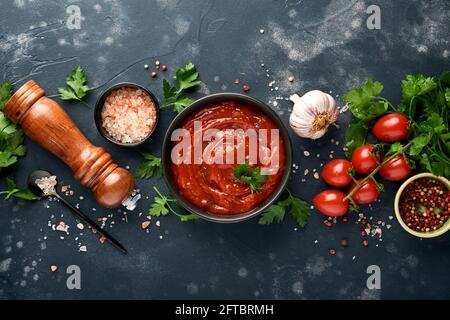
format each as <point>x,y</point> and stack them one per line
<point>92,223</point>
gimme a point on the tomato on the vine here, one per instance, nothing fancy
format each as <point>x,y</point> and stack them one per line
<point>336,172</point>
<point>391,127</point>
<point>331,203</point>
<point>396,169</point>
<point>365,159</point>
<point>366,193</point>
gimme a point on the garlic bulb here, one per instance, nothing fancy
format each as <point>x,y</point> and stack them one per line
<point>312,114</point>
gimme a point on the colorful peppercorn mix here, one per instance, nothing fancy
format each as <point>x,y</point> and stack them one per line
<point>425,204</point>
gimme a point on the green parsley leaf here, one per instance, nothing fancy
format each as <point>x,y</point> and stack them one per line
<point>251,176</point>
<point>186,78</point>
<point>299,209</point>
<point>182,103</point>
<point>356,136</point>
<point>419,143</point>
<point>395,147</point>
<point>5,92</point>
<point>11,137</point>
<point>15,192</point>
<point>67,94</point>
<point>416,86</point>
<point>149,166</point>
<point>161,207</point>
<point>77,82</point>
<point>273,214</point>
<point>364,102</point>
<point>76,86</point>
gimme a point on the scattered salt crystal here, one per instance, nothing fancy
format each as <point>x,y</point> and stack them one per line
<point>47,185</point>
<point>83,249</point>
<point>306,172</point>
<point>306,153</point>
<point>80,226</point>
<point>316,175</point>
<point>130,203</point>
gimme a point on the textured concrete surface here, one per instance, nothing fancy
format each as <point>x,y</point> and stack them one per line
<point>324,44</point>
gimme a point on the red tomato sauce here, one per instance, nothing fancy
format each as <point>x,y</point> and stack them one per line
<point>213,187</point>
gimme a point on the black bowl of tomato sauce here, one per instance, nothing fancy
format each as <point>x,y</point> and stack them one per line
<point>208,187</point>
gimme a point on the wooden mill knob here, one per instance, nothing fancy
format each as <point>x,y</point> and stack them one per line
<point>45,122</point>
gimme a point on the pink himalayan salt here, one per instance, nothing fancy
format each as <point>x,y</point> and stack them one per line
<point>128,115</point>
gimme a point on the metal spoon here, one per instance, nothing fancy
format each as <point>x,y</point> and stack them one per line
<point>32,185</point>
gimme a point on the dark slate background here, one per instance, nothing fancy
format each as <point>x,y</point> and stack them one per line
<point>324,44</point>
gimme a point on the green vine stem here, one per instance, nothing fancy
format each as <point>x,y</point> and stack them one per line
<point>375,171</point>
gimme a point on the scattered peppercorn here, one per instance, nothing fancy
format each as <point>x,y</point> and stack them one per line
<point>237,81</point>
<point>362,233</point>
<point>365,242</point>
<point>332,251</point>
<point>157,63</point>
<point>344,243</point>
<point>164,67</point>
<point>146,66</point>
<point>153,74</point>
<point>245,88</point>
<point>344,219</point>
<point>291,79</point>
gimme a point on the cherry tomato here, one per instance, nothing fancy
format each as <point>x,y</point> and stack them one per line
<point>366,194</point>
<point>396,169</point>
<point>391,127</point>
<point>335,173</point>
<point>364,160</point>
<point>331,203</point>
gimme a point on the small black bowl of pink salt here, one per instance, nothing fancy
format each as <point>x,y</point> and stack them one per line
<point>126,114</point>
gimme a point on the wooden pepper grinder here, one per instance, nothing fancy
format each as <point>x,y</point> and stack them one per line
<point>45,122</point>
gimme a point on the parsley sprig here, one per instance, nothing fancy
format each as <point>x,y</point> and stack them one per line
<point>162,205</point>
<point>298,208</point>
<point>15,192</point>
<point>251,176</point>
<point>11,137</point>
<point>426,103</point>
<point>150,166</point>
<point>186,78</point>
<point>76,86</point>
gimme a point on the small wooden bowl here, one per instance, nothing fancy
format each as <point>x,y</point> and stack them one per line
<point>99,107</point>
<point>430,234</point>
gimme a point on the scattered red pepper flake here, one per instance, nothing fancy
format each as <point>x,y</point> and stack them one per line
<point>332,252</point>
<point>365,242</point>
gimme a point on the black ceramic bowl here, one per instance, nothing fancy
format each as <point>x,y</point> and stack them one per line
<point>99,107</point>
<point>200,104</point>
